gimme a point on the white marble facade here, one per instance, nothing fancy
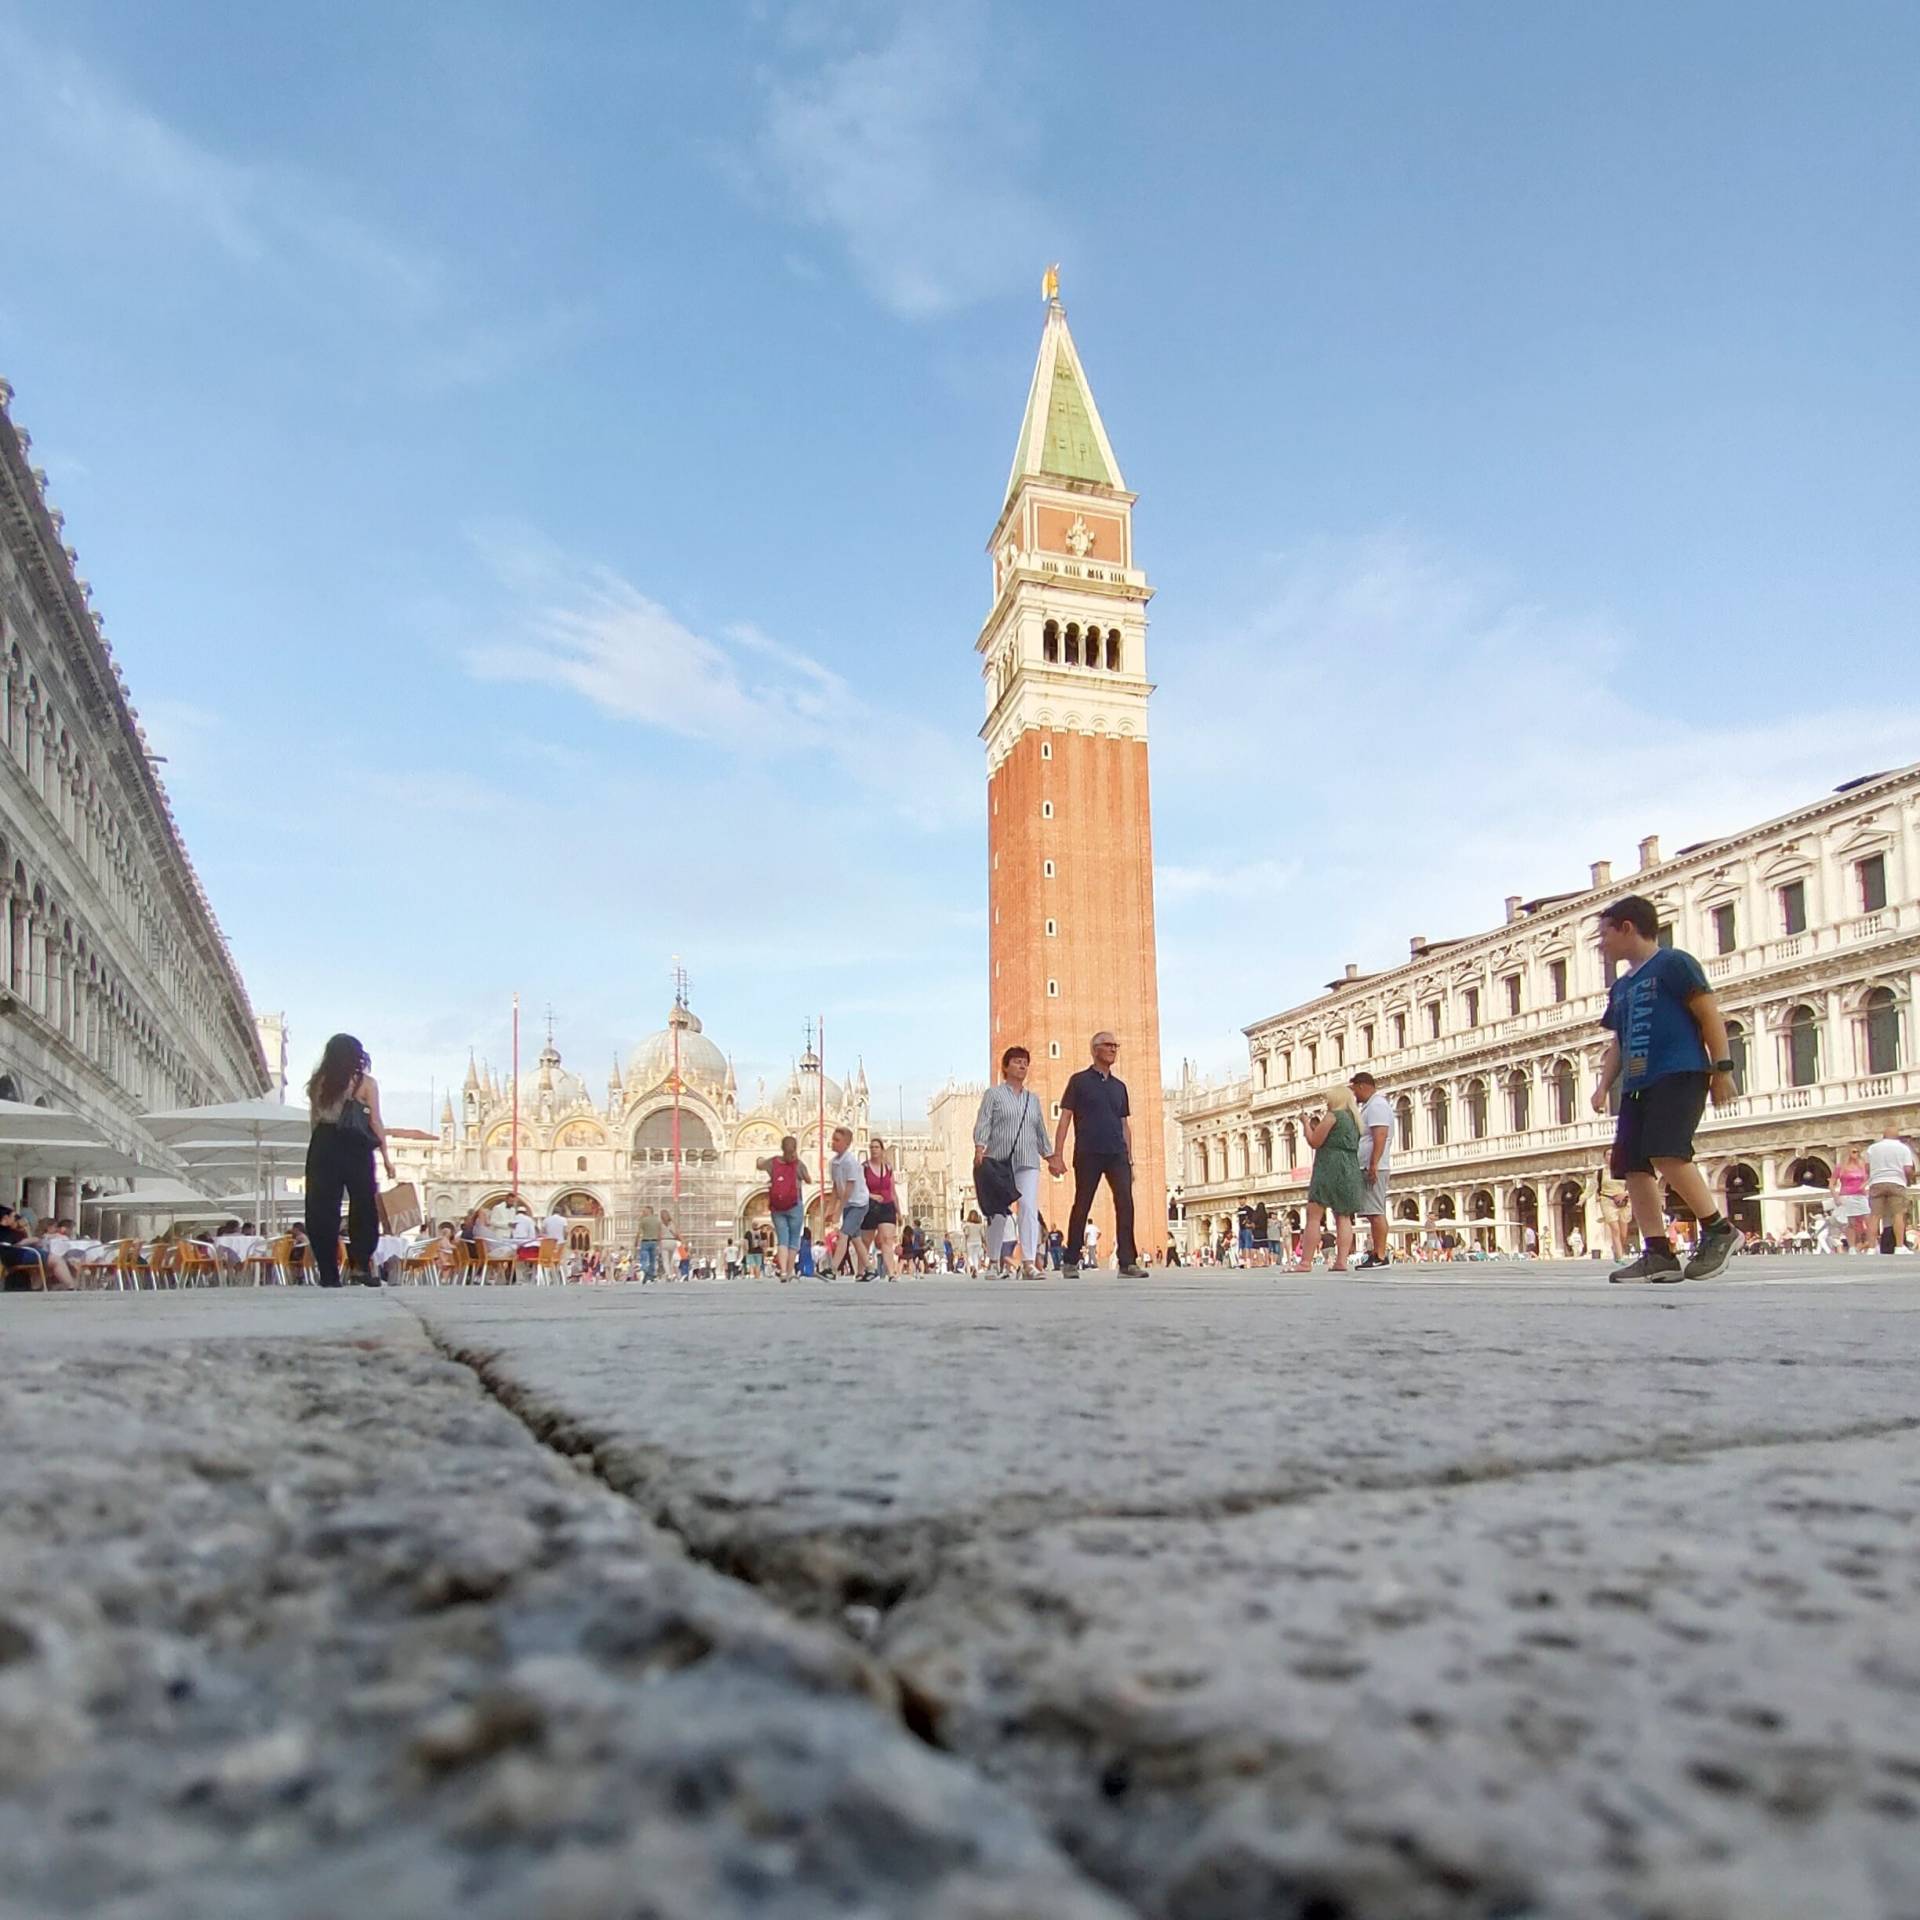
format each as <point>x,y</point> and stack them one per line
<point>1809,928</point>
<point>118,994</point>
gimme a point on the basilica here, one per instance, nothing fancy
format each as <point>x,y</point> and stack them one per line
<point>671,1130</point>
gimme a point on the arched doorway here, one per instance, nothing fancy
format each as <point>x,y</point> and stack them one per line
<point>1573,1218</point>
<point>585,1217</point>
<point>1742,1205</point>
<point>1526,1220</point>
<point>1809,1171</point>
<point>1480,1213</point>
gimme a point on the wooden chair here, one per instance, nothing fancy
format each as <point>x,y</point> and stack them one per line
<point>549,1268</point>
<point>199,1266</point>
<point>163,1267</point>
<point>127,1268</point>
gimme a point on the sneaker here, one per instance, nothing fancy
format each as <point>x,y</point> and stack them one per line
<point>1650,1270</point>
<point>1071,1270</point>
<point>1716,1249</point>
<point>1134,1272</point>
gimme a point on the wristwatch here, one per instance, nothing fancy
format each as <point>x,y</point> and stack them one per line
<point>1723,1066</point>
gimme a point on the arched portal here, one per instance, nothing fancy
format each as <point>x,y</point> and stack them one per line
<point>1573,1215</point>
<point>1742,1205</point>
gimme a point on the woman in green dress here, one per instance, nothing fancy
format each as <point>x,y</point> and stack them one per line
<point>1334,1136</point>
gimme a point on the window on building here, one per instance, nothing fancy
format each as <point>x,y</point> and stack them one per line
<point>1437,1116</point>
<point>1053,1049</point>
<point>1290,1143</point>
<point>1477,1109</point>
<point>1519,1103</point>
<point>1313,1058</point>
<point>1883,1031</point>
<point>1433,1019</point>
<point>1046,809</point>
<point>1050,640</point>
<point>1513,992</point>
<point>1793,907</point>
<point>1663,934</point>
<point>1563,1093</point>
<point>1053,927</point>
<point>1737,1053</point>
<point>1046,749</point>
<point>1339,1049</point>
<point>1803,1047</point>
<point>1046,866</point>
<point>1260,1070</point>
<point>1113,650</point>
<point>1557,980</point>
<point>1366,1041</point>
<point>1053,989</point>
<point>1471,998</point>
<point>1403,1122</point>
<point>1399,1029</point>
<point>1725,933</point>
<point>1073,646</point>
<point>1286,1063</point>
<point>1873,882</point>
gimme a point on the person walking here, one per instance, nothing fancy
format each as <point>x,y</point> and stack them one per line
<point>1094,1115</point>
<point>646,1244</point>
<point>1375,1116</point>
<point>975,1241</point>
<point>1667,1047</point>
<point>343,1103</point>
<point>1889,1175</point>
<point>1850,1206</point>
<point>805,1260</point>
<point>1011,1126</point>
<point>881,1230</point>
<point>1336,1187</point>
<point>787,1177</point>
<point>850,1198</point>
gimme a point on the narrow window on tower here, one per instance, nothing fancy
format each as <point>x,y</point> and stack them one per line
<point>1046,809</point>
<point>1053,989</point>
<point>1113,650</point>
<point>1053,1049</point>
<point>1050,640</point>
<point>1073,646</point>
<point>1046,867</point>
<point>1046,749</point>
<point>1053,927</point>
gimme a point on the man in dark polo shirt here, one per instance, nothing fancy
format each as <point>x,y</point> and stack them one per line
<point>1094,1114</point>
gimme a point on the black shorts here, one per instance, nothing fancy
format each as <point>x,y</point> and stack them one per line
<point>880,1213</point>
<point>1658,1122</point>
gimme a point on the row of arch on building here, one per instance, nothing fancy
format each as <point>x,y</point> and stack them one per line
<point>1507,1100</point>
<point>1077,646</point>
<point>51,963</point>
<point>1471,1214</point>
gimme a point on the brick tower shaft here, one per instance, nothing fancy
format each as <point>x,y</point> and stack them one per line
<point>1069,805</point>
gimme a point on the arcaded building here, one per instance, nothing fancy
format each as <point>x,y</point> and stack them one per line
<point>1063,655</point>
<point>118,994</point>
<point>1489,1045</point>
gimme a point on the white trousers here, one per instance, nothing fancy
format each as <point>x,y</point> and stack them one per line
<point>1026,1181</point>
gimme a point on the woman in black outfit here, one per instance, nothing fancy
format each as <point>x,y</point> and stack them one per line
<point>343,1102</point>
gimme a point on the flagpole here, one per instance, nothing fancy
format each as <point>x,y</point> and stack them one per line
<point>513,1151</point>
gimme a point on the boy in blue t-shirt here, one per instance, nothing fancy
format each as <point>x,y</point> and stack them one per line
<point>1667,1047</point>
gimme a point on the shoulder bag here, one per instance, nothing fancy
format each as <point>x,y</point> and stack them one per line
<point>994,1186</point>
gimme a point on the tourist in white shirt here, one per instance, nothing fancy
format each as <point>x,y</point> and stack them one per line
<point>1374,1111</point>
<point>850,1195</point>
<point>554,1227</point>
<point>1890,1166</point>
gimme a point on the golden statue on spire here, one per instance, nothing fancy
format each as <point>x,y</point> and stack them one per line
<point>1050,284</point>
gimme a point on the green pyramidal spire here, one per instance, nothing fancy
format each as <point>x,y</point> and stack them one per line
<point>1061,434</point>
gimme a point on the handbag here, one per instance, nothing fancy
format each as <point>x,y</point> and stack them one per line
<point>994,1186</point>
<point>355,1122</point>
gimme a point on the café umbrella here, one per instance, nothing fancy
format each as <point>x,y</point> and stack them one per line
<point>231,1136</point>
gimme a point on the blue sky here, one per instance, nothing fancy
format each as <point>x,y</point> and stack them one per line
<point>534,468</point>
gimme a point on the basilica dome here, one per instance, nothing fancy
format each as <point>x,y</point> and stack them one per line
<point>700,1060</point>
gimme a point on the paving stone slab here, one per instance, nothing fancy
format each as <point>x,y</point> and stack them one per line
<point>310,1626</point>
<point>828,1441</point>
<point>1688,1690</point>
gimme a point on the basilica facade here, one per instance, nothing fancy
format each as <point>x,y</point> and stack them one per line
<point>670,1130</point>
<point>118,994</point>
<point>1489,1046</point>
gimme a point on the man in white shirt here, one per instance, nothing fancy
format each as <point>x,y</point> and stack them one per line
<point>554,1227</point>
<point>1889,1174</point>
<point>1375,1114</point>
<point>850,1195</point>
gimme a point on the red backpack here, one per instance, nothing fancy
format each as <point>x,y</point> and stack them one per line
<point>783,1185</point>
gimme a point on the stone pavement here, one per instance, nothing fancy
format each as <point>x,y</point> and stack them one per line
<point>1468,1592</point>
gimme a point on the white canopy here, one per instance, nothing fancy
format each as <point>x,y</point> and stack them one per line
<point>256,1123</point>
<point>158,1196</point>
<point>23,1125</point>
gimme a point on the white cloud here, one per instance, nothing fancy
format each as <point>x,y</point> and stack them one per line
<point>94,161</point>
<point>586,629</point>
<point>907,152</point>
<point>1410,738</point>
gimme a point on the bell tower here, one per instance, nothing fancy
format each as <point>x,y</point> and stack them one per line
<point>1063,655</point>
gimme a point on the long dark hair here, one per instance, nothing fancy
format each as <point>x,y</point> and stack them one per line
<point>344,1058</point>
